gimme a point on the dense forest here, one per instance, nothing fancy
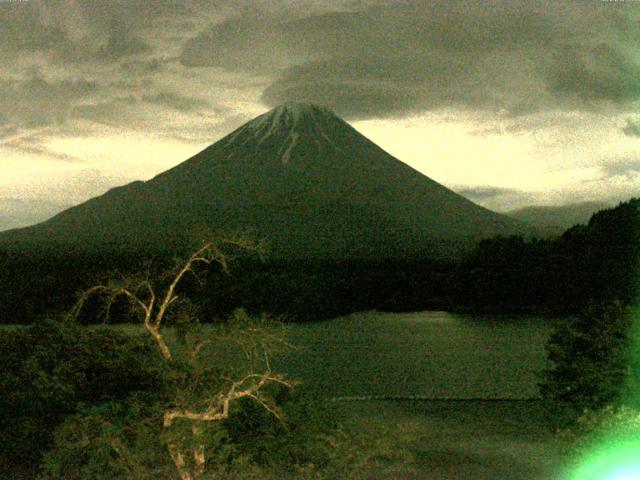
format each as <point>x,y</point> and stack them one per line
<point>593,262</point>
<point>587,263</point>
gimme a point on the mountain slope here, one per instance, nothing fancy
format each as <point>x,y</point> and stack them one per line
<point>557,218</point>
<point>297,176</point>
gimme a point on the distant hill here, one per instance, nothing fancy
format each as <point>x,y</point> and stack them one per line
<point>555,219</point>
<point>297,176</point>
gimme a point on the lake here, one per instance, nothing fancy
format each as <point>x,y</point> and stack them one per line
<point>438,355</point>
<point>479,418</point>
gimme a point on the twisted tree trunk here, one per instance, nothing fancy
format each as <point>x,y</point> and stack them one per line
<point>189,465</point>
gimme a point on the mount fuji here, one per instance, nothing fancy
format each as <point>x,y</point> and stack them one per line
<point>298,177</point>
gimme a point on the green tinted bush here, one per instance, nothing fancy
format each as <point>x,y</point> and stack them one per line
<point>108,441</point>
<point>591,361</point>
<point>48,369</point>
<point>125,440</point>
<point>87,403</point>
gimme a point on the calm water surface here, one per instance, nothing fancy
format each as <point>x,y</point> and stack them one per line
<point>479,371</point>
<point>433,354</point>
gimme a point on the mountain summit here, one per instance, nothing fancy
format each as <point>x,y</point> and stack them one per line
<point>297,176</point>
<point>287,124</point>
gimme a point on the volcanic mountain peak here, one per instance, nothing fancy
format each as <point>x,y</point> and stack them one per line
<point>286,124</point>
<point>291,114</point>
<point>298,176</point>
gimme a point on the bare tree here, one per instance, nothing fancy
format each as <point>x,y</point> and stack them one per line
<point>206,401</point>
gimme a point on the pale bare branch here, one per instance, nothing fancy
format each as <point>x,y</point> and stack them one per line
<point>178,460</point>
<point>219,407</point>
<point>253,343</point>
<point>76,309</point>
<point>265,405</point>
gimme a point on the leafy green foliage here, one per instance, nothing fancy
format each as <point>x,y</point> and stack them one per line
<point>110,440</point>
<point>598,262</point>
<point>46,370</point>
<point>591,361</point>
<point>118,432</point>
<point>287,440</point>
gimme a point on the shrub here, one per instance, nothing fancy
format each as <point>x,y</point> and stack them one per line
<point>591,364</point>
<point>112,440</point>
<point>48,369</point>
<point>125,440</point>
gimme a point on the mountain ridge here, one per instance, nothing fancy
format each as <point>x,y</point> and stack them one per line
<point>298,176</point>
<point>555,219</point>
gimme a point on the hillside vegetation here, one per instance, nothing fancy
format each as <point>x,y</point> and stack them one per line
<point>597,261</point>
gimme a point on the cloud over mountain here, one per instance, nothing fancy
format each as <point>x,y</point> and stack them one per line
<point>406,56</point>
<point>37,101</point>
<point>364,59</point>
<point>550,84</point>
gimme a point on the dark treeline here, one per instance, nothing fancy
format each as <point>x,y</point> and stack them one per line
<point>593,262</point>
<point>44,281</point>
<point>312,290</point>
<point>597,262</point>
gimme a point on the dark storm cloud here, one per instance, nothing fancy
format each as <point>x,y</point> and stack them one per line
<point>25,146</point>
<point>410,56</point>
<point>110,112</point>
<point>136,67</point>
<point>134,12</point>
<point>632,128</point>
<point>353,92</point>
<point>113,42</point>
<point>122,42</point>
<point>81,30</point>
<point>377,59</point>
<point>130,108</point>
<point>77,31</point>
<point>22,30</point>
<point>175,101</point>
<point>245,44</point>
<point>37,102</point>
<point>599,72</point>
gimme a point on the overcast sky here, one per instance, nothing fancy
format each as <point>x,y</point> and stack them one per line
<point>508,102</point>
